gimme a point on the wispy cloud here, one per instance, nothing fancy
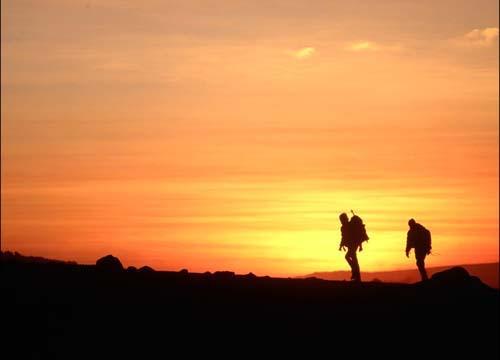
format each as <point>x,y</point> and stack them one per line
<point>372,46</point>
<point>364,46</point>
<point>478,38</point>
<point>303,53</point>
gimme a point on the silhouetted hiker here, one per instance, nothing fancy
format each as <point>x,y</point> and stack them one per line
<point>353,234</point>
<point>419,238</point>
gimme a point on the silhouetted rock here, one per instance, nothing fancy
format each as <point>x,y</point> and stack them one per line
<point>184,271</point>
<point>455,275</point>
<point>146,269</point>
<point>250,276</point>
<point>131,269</point>
<point>109,263</point>
<point>458,278</point>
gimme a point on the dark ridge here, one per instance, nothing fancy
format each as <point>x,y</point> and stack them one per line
<point>53,310</point>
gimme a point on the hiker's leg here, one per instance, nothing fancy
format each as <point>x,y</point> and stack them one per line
<point>349,257</point>
<point>355,266</point>
<point>421,265</point>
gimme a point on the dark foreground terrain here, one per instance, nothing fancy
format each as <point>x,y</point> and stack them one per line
<point>78,311</point>
<point>488,273</point>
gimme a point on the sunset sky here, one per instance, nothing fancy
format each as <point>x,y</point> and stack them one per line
<point>229,135</point>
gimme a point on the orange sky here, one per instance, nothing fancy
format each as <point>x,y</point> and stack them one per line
<point>229,135</point>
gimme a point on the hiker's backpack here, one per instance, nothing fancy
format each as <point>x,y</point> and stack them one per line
<point>358,230</point>
<point>425,239</point>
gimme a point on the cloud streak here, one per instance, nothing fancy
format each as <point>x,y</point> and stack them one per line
<point>303,53</point>
<point>372,46</point>
<point>364,46</point>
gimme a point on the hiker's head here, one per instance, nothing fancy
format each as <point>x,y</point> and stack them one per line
<point>344,219</point>
<point>411,223</point>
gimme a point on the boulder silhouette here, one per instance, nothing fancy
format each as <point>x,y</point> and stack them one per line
<point>109,263</point>
<point>131,269</point>
<point>250,276</point>
<point>146,269</point>
<point>456,278</point>
<point>456,275</point>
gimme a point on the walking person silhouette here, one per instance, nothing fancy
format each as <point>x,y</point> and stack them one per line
<point>419,238</point>
<point>353,234</point>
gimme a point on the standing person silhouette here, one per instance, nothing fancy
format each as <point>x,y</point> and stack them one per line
<point>419,238</point>
<point>350,241</point>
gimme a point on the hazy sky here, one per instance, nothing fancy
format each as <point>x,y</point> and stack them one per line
<point>229,135</point>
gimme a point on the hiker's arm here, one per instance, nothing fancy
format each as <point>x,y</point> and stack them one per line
<point>408,244</point>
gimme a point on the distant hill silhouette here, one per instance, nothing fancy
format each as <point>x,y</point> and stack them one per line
<point>14,256</point>
<point>488,273</point>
